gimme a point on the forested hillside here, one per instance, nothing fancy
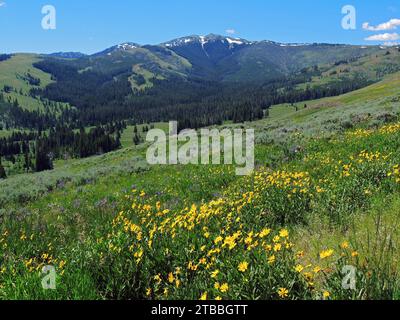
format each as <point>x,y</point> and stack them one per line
<point>69,105</point>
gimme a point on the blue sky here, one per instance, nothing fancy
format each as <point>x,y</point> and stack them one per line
<point>89,26</point>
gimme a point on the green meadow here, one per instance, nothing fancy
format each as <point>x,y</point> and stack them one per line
<point>324,194</point>
<point>13,73</point>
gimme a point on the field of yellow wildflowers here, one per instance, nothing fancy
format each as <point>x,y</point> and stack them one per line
<point>205,234</point>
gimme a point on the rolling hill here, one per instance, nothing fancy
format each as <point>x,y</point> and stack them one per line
<point>17,77</point>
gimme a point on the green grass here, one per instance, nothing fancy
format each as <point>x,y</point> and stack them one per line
<point>4,133</point>
<point>12,73</point>
<point>96,200</point>
<point>128,133</point>
<point>20,64</point>
<point>160,66</point>
<point>147,76</point>
<point>118,223</point>
<point>372,67</point>
<point>369,106</point>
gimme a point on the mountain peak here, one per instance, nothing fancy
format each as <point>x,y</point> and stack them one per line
<point>210,38</point>
<point>125,46</point>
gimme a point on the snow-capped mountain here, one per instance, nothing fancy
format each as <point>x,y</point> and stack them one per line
<point>226,58</point>
<point>204,40</point>
<point>206,52</point>
<point>126,46</point>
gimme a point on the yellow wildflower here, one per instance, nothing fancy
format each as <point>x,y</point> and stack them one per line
<point>284,233</point>
<point>317,269</point>
<point>62,264</point>
<point>299,268</point>
<point>271,259</point>
<point>224,288</point>
<point>214,274</point>
<point>283,293</point>
<point>218,240</point>
<point>264,233</point>
<point>326,254</point>
<point>243,266</point>
<point>344,245</point>
<point>157,278</point>
<point>203,296</point>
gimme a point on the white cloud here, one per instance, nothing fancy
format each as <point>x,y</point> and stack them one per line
<point>2,4</point>
<point>384,37</point>
<point>390,25</point>
<point>230,31</point>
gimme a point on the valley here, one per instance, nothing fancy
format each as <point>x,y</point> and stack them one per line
<point>324,194</point>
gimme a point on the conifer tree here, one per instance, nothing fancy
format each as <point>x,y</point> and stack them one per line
<point>2,171</point>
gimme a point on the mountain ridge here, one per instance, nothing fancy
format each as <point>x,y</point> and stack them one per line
<point>180,70</point>
<point>212,36</point>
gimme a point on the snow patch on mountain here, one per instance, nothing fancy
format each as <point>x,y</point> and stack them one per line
<point>234,41</point>
<point>126,46</point>
<point>203,40</point>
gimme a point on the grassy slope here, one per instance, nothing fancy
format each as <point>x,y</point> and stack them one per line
<point>283,124</point>
<point>372,67</point>
<point>91,190</point>
<point>323,116</point>
<point>11,72</point>
<point>127,135</point>
<point>147,76</point>
<point>151,65</point>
